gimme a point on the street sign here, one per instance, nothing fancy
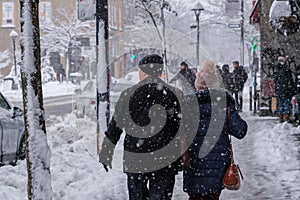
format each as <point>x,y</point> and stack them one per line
<point>234,26</point>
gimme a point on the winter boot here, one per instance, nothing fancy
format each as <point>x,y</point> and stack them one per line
<point>287,118</point>
<point>280,118</point>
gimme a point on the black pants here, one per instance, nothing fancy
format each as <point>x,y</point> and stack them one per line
<point>150,187</point>
<point>212,196</point>
<point>238,97</point>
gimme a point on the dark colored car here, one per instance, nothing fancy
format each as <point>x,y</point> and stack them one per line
<point>12,138</point>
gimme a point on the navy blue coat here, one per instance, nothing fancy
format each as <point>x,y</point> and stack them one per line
<point>205,174</point>
<point>284,83</point>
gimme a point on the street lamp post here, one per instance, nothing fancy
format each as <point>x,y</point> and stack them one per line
<point>197,10</point>
<point>13,35</point>
<point>242,34</point>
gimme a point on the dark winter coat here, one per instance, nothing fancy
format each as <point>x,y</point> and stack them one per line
<point>132,114</point>
<point>240,77</point>
<point>205,174</point>
<point>284,84</point>
<point>185,75</point>
<point>227,79</point>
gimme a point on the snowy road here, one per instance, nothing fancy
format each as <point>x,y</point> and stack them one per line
<point>268,157</point>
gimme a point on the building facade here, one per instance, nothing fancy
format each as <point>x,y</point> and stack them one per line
<point>273,44</point>
<point>49,11</point>
<point>9,12</point>
<point>116,42</point>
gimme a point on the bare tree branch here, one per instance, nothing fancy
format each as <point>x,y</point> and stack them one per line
<point>146,7</point>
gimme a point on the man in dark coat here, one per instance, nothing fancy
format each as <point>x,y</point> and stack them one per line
<point>227,79</point>
<point>240,77</point>
<point>149,113</point>
<point>285,88</point>
<point>186,75</point>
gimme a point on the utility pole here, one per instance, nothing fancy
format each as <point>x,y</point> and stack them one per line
<point>242,34</point>
<point>103,71</point>
<point>164,41</point>
<point>198,42</point>
<point>197,10</point>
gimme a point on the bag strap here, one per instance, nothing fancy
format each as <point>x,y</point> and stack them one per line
<point>231,151</point>
<point>238,167</point>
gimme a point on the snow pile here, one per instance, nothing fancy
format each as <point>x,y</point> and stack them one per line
<point>275,147</point>
<point>64,132</point>
<point>13,182</point>
<point>51,89</point>
<point>76,172</point>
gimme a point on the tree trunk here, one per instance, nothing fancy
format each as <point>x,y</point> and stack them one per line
<point>68,64</point>
<point>103,71</point>
<point>37,149</point>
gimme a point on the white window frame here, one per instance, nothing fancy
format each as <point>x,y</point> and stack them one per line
<point>114,15</point>
<point>110,18</point>
<point>120,18</point>
<point>45,9</point>
<point>8,13</point>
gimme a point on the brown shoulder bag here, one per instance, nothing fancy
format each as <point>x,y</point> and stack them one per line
<point>231,179</point>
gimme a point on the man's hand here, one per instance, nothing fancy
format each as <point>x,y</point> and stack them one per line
<point>106,167</point>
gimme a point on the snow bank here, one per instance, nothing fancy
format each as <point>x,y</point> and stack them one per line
<point>50,89</point>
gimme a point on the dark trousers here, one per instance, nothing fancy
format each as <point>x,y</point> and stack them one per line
<point>150,187</point>
<point>238,97</point>
<point>213,196</point>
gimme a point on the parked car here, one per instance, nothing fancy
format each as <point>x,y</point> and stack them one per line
<point>123,83</point>
<point>85,99</point>
<point>12,138</point>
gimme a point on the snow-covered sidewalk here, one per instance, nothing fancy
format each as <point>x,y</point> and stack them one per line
<point>268,157</point>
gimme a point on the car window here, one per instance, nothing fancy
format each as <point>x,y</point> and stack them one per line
<point>129,77</point>
<point>89,87</point>
<point>3,103</point>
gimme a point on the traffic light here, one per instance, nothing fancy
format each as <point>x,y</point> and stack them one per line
<point>133,56</point>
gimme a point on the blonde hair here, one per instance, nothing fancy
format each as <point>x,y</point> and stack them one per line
<point>207,77</point>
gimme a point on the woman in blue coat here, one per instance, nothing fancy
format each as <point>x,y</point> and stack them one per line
<point>209,152</point>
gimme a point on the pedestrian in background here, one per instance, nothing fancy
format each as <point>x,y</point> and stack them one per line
<point>186,75</point>
<point>203,179</point>
<point>227,79</point>
<point>240,77</point>
<point>285,88</point>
